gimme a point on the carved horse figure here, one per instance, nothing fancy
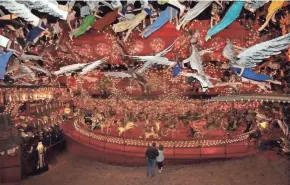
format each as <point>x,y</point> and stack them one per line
<point>152,134</point>
<point>96,119</point>
<point>106,124</point>
<point>128,126</point>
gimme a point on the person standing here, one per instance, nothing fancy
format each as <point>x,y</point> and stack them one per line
<point>151,154</point>
<point>160,158</point>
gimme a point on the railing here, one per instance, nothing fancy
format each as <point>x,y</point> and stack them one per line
<point>254,97</point>
<point>198,152</point>
<point>32,86</point>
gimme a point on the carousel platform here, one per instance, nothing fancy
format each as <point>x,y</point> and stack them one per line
<point>131,151</point>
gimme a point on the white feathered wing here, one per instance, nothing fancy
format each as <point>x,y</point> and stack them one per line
<point>156,59</point>
<point>255,54</point>
<point>92,66</point>
<point>21,10</point>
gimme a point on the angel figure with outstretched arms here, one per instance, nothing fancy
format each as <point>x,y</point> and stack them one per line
<point>158,58</point>
<point>272,10</point>
<point>130,25</point>
<point>136,74</point>
<point>250,57</point>
<point>215,14</point>
<point>196,64</point>
<point>192,13</point>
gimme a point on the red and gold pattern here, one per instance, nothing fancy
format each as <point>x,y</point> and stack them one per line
<point>116,51</point>
<point>102,49</point>
<point>157,45</point>
<point>137,47</point>
<point>85,49</point>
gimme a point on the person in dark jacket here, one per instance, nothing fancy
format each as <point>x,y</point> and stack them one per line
<point>151,154</point>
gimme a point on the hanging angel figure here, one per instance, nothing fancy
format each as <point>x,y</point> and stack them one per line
<point>26,70</point>
<point>154,15</point>
<point>175,3</point>
<point>130,25</point>
<point>254,5</point>
<point>86,67</point>
<point>272,10</point>
<point>165,16</point>
<point>250,57</point>
<point>21,11</point>
<point>5,43</point>
<point>215,14</point>
<point>156,59</point>
<point>194,12</point>
<point>196,65</point>
<point>86,24</point>
<point>149,62</point>
<point>232,14</point>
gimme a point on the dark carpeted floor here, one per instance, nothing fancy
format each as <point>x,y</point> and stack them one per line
<point>256,170</point>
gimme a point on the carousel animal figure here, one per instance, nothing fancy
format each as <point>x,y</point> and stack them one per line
<point>195,131</point>
<point>106,124</point>
<point>123,129</point>
<point>157,126</point>
<point>96,120</point>
<point>81,117</point>
<point>151,134</point>
<point>171,128</point>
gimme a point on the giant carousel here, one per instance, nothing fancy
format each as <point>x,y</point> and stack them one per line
<point>204,79</point>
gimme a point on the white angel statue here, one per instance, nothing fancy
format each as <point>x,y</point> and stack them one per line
<point>86,67</point>
<point>250,57</point>
<point>196,64</point>
<point>156,59</point>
